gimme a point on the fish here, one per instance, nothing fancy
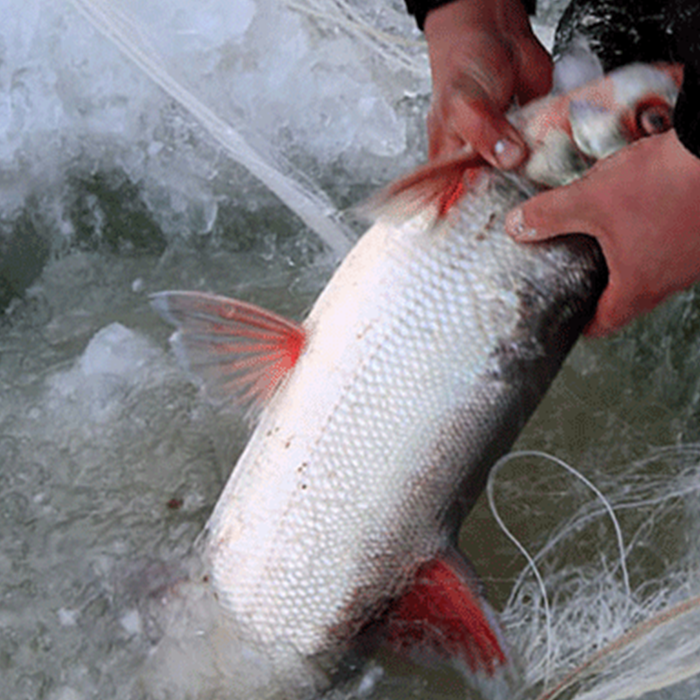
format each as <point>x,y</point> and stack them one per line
<point>378,418</point>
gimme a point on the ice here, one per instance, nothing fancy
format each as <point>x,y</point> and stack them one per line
<point>131,622</point>
<point>115,361</point>
<point>260,84</point>
<point>66,694</point>
<point>118,351</point>
<point>111,459</point>
<point>67,618</point>
<point>78,446</point>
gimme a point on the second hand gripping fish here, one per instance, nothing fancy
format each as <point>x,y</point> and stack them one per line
<point>382,413</point>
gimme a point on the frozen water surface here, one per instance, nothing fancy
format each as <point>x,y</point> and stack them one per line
<point>208,158</point>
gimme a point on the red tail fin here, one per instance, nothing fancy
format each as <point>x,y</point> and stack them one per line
<point>443,617</point>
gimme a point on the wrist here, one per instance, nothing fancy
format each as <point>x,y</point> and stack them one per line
<point>502,16</point>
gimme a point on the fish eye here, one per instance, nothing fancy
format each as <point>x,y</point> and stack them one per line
<point>654,118</point>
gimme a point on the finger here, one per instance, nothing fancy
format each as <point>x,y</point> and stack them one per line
<point>440,141</point>
<point>625,298</point>
<point>486,129</point>
<point>435,134</point>
<point>550,214</point>
<point>610,315</point>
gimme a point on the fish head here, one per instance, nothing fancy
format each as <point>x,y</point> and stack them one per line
<point>566,134</point>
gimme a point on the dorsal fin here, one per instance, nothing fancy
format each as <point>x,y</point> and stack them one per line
<point>440,185</point>
<point>240,351</point>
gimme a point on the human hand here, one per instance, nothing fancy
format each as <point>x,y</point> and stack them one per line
<point>642,205</point>
<point>482,54</point>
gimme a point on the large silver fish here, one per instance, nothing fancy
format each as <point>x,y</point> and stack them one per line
<point>383,411</point>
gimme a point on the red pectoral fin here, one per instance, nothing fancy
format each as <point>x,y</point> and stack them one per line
<point>240,351</point>
<point>438,185</point>
<point>442,617</point>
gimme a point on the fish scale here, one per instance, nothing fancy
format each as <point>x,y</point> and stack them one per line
<point>428,369</point>
<point>415,371</point>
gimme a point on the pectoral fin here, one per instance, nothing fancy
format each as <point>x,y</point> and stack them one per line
<point>240,351</point>
<point>444,618</point>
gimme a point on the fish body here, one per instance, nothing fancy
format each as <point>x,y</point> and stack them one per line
<point>383,411</point>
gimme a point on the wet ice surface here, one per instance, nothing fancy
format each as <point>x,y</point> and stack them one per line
<point>110,465</point>
<point>110,460</point>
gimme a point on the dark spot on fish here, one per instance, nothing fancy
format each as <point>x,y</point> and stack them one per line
<point>174,503</point>
<point>303,487</point>
<point>287,444</point>
<point>205,578</point>
<point>302,467</point>
<point>482,234</point>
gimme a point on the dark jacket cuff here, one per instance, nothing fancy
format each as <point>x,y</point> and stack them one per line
<point>420,8</point>
<point>686,115</point>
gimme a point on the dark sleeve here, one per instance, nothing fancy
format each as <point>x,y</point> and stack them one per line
<point>686,35</point>
<point>686,117</point>
<point>420,8</point>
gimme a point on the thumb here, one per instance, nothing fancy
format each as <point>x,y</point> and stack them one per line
<point>552,213</point>
<point>481,124</point>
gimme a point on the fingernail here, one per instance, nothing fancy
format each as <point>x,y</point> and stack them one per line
<point>515,225</point>
<point>507,154</point>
